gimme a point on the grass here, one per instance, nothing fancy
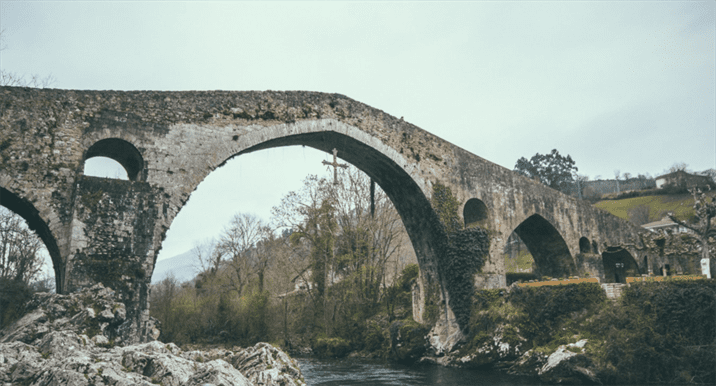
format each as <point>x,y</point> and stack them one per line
<point>522,262</point>
<point>682,205</point>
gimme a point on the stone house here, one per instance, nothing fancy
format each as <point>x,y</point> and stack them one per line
<point>665,224</point>
<point>683,179</point>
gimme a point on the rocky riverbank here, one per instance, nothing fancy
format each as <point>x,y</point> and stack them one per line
<point>77,339</point>
<point>660,332</point>
<point>569,364</point>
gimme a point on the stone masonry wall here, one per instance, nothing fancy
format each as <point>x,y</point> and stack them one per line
<point>113,241</point>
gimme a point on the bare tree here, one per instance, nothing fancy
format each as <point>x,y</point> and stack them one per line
<point>20,257</point>
<point>384,230</point>
<point>580,180</point>
<point>8,78</point>
<point>238,246</point>
<point>208,258</point>
<point>639,215</point>
<point>678,166</point>
<point>705,208</point>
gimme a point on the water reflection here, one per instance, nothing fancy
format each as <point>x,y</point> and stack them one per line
<point>351,371</point>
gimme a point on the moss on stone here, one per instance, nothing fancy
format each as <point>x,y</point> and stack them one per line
<point>408,342</point>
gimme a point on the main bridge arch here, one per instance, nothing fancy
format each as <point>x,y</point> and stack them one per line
<point>111,230</point>
<point>383,164</point>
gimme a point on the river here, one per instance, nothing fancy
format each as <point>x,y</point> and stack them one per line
<point>353,371</point>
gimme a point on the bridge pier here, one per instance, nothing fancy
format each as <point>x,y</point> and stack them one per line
<point>112,241</point>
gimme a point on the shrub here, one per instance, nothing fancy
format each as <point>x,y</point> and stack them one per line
<point>331,347</point>
<point>374,338</point>
<point>660,332</point>
<point>407,340</point>
<point>546,308</point>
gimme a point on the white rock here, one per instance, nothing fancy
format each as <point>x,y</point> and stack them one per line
<point>218,372</point>
<point>47,347</point>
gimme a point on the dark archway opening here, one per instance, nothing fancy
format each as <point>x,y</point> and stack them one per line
<point>35,223</point>
<point>475,213</point>
<point>618,265</point>
<point>519,263</point>
<point>584,246</point>
<point>551,255</point>
<point>121,151</point>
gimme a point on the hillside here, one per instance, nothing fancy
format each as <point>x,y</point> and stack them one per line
<point>635,208</point>
<point>182,267</point>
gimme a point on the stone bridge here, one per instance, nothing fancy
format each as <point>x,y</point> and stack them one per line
<point>110,231</point>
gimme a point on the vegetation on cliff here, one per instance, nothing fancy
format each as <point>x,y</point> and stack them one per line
<point>657,332</point>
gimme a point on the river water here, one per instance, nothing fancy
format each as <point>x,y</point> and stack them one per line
<point>353,371</point>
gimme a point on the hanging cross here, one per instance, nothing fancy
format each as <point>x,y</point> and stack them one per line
<point>372,198</point>
<point>335,165</point>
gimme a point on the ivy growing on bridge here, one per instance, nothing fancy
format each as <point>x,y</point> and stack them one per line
<point>462,257</point>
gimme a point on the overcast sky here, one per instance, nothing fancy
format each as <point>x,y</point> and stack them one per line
<point>616,85</point>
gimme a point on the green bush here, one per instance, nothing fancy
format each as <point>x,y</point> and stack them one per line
<point>679,308</point>
<point>659,332</point>
<point>374,338</point>
<point>407,340</point>
<point>331,347</point>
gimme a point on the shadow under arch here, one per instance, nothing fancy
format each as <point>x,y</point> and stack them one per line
<point>550,252</point>
<point>121,151</point>
<point>27,211</point>
<point>584,246</point>
<point>409,200</point>
<point>475,213</point>
<point>618,264</point>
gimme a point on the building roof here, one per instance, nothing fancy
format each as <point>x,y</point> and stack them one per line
<point>682,172</point>
<point>664,222</point>
<point>671,174</point>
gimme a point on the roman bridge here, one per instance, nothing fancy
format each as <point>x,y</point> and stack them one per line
<point>110,231</point>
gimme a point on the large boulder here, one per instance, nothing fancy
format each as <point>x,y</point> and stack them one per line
<point>264,364</point>
<point>93,312</point>
<point>568,365</point>
<point>73,340</point>
<point>503,344</point>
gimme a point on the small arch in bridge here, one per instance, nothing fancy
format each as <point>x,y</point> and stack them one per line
<point>618,265</point>
<point>121,151</point>
<point>105,168</point>
<point>551,255</point>
<point>475,213</point>
<point>31,215</point>
<point>584,246</point>
<point>595,247</point>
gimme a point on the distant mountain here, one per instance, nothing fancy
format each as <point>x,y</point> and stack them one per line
<point>183,267</point>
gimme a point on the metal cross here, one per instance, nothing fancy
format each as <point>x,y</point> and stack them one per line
<point>335,165</point>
